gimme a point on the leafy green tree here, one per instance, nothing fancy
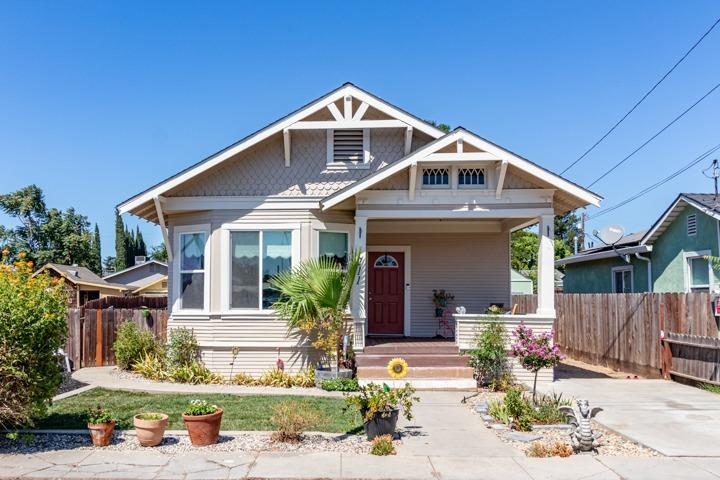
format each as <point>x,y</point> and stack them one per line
<point>440,126</point>
<point>108,265</point>
<point>120,243</point>
<point>159,253</point>
<point>44,234</point>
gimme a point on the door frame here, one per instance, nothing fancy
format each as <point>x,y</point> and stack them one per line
<point>408,281</point>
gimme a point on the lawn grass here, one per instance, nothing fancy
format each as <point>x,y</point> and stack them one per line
<point>250,412</point>
<point>711,388</point>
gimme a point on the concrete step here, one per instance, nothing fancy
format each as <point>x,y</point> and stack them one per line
<point>440,348</point>
<point>413,359</point>
<point>364,373</point>
<point>466,384</point>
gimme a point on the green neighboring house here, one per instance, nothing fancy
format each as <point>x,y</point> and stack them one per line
<point>669,257</point>
<point>520,284</point>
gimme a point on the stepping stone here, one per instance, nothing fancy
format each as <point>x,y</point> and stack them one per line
<point>522,436</point>
<point>488,418</point>
<point>481,407</point>
<point>498,426</point>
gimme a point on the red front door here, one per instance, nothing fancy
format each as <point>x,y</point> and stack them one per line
<point>386,293</point>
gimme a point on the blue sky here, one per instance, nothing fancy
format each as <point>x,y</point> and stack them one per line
<point>99,100</point>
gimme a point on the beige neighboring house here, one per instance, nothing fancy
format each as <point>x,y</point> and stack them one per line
<point>83,284</point>
<point>426,209</point>
<point>146,277</point>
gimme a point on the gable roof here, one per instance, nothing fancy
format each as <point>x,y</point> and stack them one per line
<point>139,265</point>
<point>146,282</point>
<point>582,194</point>
<point>627,245</point>
<point>705,202</point>
<point>143,200</point>
<point>81,276</point>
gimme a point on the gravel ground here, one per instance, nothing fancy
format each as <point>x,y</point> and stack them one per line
<point>611,444</point>
<point>246,442</point>
<point>69,384</point>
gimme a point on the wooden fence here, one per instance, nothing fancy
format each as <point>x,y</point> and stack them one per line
<point>92,328</point>
<point>623,331</point>
<point>692,357</point>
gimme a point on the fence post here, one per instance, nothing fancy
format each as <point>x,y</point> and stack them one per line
<point>98,338</point>
<point>665,350</point>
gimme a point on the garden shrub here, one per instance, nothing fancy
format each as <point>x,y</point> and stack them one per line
<point>245,379</point>
<point>340,385</point>
<point>132,345</point>
<point>547,409</point>
<point>291,419</point>
<point>519,410</point>
<point>32,328</point>
<point>195,373</point>
<point>182,348</point>
<point>151,367</point>
<point>489,357</point>
<point>382,445</point>
<point>496,409</point>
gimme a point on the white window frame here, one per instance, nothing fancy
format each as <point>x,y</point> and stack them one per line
<point>331,164</point>
<point>482,186</point>
<point>226,278</point>
<point>687,225</point>
<point>347,229</point>
<point>687,269</point>
<point>178,231</point>
<point>451,181</point>
<point>453,170</point>
<point>624,268</point>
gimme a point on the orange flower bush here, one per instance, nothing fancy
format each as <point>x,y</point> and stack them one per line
<point>32,329</point>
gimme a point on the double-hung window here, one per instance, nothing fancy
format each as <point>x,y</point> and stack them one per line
<point>192,266</point>
<point>622,279</point>
<point>698,272</point>
<point>256,256</point>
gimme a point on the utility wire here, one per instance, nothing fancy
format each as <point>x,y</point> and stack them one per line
<point>655,136</point>
<point>637,104</point>
<point>659,183</point>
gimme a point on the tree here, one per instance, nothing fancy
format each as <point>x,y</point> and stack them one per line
<point>440,126</point>
<point>140,247</point>
<point>566,229</point>
<point>159,253</point>
<point>108,265</point>
<point>96,253</point>
<point>524,252</point>
<point>120,243</point>
<point>44,234</point>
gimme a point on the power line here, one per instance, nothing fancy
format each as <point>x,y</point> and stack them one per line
<point>659,183</point>
<point>637,104</point>
<point>687,110</point>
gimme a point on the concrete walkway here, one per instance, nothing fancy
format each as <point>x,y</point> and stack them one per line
<point>674,419</point>
<point>229,465</point>
<point>107,377</point>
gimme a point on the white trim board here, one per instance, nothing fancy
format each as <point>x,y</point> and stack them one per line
<point>407,250</point>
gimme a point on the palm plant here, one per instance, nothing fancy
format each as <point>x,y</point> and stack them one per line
<point>314,297</point>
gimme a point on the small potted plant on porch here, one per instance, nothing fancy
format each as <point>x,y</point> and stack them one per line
<point>314,298</point>
<point>101,425</point>
<point>150,428</point>
<point>203,422</point>
<point>441,299</point>
<point>380,407</point>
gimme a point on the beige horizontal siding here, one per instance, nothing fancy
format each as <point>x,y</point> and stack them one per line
<point>475,267</point>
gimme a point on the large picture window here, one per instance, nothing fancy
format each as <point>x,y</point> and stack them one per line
<point>192,270</point>
<point>334,245</point>
<point>257,256</point>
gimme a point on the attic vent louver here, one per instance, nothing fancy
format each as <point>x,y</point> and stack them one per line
<point>692,225</point>
<point>348,145</point>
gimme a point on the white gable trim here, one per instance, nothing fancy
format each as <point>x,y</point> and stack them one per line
<point>114,274</point>
<point>274,128</point>
<point>464,136</point>
<point>659,227</point>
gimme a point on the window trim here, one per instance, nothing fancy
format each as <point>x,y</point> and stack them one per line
<point>687,269</point>
<point>454,183</point>
<point>449,186</point>
<point>226,274</point>
<point>333,228</point>
<point>623,268</point>
<point>469,186</point>
<point>178,231</point>
<point>330,162</point>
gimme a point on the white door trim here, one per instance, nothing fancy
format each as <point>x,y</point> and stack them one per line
<point>408,270</point>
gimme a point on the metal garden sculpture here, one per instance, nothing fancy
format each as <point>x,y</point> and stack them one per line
<point>582,437</point>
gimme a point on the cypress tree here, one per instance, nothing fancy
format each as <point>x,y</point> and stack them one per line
<point>120,243</point>
<point>140,243</point>
<point>129,248</point>
<point>96,252</point>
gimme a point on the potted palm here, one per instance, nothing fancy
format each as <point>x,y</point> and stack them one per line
<point>203,422</point>
<point>101,425</point>
<point>314,298</point>
<point>150,428</point>
<point>380,407</point>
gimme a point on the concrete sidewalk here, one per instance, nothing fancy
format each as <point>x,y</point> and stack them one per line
<point>674,419</point>
<point>231,465</point>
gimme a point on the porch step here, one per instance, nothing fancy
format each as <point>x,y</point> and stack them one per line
<point>409,347</point>
<point>380,373</point>
<point>414,360</point>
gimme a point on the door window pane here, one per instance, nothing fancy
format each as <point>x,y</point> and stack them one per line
<point>192,290</point>
<point>245,258</point>
<point>276,258</point>
<point>699,273</point>
<point>192,251</point>
<point>333,245</point>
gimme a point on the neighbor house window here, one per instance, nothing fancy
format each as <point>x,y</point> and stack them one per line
<point>348,146</point>
<point>622,279</point>
<point>334,245</point>
<point>699,274</point>
<point>192,270</point>
<point>257,256</point>
<point>471,177</point>
<point>436,177</point>
<point>692,225</point>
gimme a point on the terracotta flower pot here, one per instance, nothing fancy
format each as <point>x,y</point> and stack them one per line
<point>150,432</point>
<point>203,429</point>
<point>101,433</point>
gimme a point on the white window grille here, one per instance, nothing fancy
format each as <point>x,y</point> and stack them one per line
<point>386,261</point>
<point>436,177</point>
<point>691,225</point>
<point>469,177</point>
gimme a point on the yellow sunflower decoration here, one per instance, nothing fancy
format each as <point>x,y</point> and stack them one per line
<point>397,368</point>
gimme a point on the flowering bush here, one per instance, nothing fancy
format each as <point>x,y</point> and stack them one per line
<point>32,328</point>
<point>534,352</point>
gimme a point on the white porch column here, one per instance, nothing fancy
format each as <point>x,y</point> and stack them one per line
<point>360,289</point>
<point>546,266</point>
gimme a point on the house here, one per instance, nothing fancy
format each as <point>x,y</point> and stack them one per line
<point>426,209</point>
<point>82,283</point>
<point>520,284</point>
<point>147,278</point>
<point>669,257</point>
